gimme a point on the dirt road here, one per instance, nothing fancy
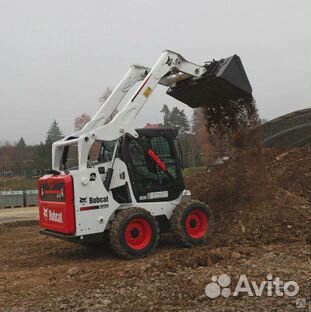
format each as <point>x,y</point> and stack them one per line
<point>18,214</point>
<point>43,274</point>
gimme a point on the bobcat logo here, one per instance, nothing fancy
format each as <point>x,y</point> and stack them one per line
<point>45,214</point>
<point>83,200</point>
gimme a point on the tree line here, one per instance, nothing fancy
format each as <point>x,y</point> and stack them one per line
<point>20,159</point>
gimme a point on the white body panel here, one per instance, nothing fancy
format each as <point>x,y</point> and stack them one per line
<point>169,68</point>
<point>97,220</point>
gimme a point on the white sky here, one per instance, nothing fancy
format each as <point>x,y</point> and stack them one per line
<point>58,56</point>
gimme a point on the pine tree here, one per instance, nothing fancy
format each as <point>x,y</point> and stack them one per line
<point>176,118</point>
<point>166,116</point>
<point>21,143</point>
<point>54,133</point>
<point>183,122</point>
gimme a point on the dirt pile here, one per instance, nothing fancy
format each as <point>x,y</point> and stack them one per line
<point>291,169</point>
<point>258,197</point>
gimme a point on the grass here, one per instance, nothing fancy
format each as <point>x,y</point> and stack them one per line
<point>189,172</point>
<point>22,183</point>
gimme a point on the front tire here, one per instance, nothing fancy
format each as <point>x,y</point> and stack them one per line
<point>134,233</point>
<point>192,223</point>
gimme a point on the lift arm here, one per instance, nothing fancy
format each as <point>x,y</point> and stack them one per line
<point>170,68</point>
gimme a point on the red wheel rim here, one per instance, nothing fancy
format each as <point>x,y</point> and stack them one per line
<point>138,233</point>
<point>196,223</point>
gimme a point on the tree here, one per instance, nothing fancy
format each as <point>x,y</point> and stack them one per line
<point>81,121</point>
<point>182,121</point>
<point>175,118</point>
<point>42,156</point>
<point>166,116</point>
<point>54,133</point>
<point>197,120</point>
<point>21,143</point>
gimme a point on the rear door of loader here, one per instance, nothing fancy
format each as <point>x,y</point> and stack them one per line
<point>56,205</point>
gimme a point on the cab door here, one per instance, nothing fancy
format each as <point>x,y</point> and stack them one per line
<point>153,166</point>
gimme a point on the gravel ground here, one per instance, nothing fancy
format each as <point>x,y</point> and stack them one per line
<point>44,274</point>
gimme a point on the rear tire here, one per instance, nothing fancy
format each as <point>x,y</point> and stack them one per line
<point>134,233</point>
<point>192,223</point>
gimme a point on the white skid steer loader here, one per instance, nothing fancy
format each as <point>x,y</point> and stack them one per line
<point>110,180</point>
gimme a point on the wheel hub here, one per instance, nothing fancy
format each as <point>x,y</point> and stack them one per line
<point>196,223</point>
<point>135,233</point>
<point>193,223</point>
<point>138,233</point>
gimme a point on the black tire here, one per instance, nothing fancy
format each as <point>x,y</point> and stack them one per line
<point>134,233</point>
<point>188,223</point>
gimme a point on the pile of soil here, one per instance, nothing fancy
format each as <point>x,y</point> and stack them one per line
<point>291,169</point>
<point>258,196</point>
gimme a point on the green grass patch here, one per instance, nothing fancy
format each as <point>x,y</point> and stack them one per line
<point>189,172</point>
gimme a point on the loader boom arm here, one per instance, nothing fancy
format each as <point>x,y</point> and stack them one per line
<point>168,69</point>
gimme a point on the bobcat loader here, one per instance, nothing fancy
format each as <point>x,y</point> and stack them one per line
<point>112,180</point>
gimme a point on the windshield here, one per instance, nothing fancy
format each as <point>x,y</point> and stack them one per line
<point>70,159</point>
<point>100,152</point>
<point>106,151</point>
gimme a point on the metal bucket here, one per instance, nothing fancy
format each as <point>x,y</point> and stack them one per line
<point>223,80</point>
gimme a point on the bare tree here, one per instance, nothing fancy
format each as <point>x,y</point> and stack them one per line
<point>81,121</point>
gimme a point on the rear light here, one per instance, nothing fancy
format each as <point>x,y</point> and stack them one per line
<point>42,191</point>
<point>62,194</point>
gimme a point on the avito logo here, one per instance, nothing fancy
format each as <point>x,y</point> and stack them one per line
<point>220,286</point>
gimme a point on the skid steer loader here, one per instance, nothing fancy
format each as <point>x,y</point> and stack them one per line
<point>110,180</point>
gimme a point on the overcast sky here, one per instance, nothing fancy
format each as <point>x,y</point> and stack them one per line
<point>58,56</point>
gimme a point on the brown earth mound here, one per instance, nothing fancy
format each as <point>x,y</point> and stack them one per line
<point>291,169</point>
<point>259,196</point>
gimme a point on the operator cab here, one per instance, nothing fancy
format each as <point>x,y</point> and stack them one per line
<point>153,164</point>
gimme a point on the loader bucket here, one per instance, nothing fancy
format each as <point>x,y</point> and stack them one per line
<point>223,80</point>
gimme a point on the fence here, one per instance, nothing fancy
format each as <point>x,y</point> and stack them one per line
<point>18,199</point>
